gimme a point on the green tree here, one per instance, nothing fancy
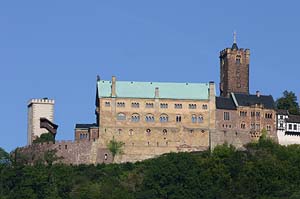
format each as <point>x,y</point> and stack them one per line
<point>115,147</point>
<point>288,102</point>
<point>4,156</point>
<point>50,157</point>
<point>45,137</point>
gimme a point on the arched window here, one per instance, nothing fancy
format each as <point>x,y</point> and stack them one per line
<point>194,118</point>
<point>148,131</point>
<point>200,119</point>
<point>178,118</point>
<point>149,118</point>
<point>204,106</point>
<point>130,132</point>
<point>165,132</point>
<point>135,117</point>
<point>135,105</point>
<point>121,116</point>
<point>192,106</point>
<point>163,118</point>
<point>120,104</point>
<point>243,125</point>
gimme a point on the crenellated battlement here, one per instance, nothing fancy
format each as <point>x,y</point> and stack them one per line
<point>41,101</point>
<point>229,50</point>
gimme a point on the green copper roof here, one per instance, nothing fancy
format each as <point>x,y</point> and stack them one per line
<point>127,89</point>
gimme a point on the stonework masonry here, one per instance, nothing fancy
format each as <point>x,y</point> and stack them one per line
<point>153,118</point>
<point>38,108</point>
<point>83,152</point>
<point>166,133</point>
<point>234,70</point>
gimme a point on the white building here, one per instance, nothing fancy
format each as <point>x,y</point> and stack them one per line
<point>38,108</point>
<point>288,128</point>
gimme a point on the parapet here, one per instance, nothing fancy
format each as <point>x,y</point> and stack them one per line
<point>41,101</point>
<point>229,50</point>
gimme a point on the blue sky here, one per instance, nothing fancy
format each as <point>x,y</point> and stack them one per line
<point>56,48</point>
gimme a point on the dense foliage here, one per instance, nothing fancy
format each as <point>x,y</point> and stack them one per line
<point>288,102</point>
<point>264,170</point>
<point>45,137</point>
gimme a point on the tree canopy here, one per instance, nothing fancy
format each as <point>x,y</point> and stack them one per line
<point>264,170</point>
<point>115,147</point>
<point>45,137</point>
<point>288,102</point>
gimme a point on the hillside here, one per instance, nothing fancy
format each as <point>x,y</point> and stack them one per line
<point>263,170</point>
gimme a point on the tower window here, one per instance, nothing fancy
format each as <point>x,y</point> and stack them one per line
<point>226,116</point>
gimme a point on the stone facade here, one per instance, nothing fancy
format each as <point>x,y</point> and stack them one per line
<point>83,152</point>
<point>234,70</point>
<point>240,119</point>
<point>38,108</point>
<point>152,126</point>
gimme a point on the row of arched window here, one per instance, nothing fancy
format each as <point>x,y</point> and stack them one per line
<point>163,118</point>
<point>151,105</point>
<point>148,132</point>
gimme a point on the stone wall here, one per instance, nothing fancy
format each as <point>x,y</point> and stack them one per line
<point>83,152</point>
<point>232,131</point>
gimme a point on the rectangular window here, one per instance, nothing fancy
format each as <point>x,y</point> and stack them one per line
<point>295,127</point>
<point>257,114</point>
<point>135,105</point>
<point>252,126</point>
<point>243,113</point>
<point>178,106</point>
<point>163,105</point>
<point>252,114</point>
<point>149,105</point>
<point>257,126</point>
<point>120,104</point>
<point>226,116</point>
<point>290,126</point>
<point>192,106</point>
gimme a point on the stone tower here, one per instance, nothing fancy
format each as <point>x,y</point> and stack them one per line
<point>38,108</point>
<point>234,70</point>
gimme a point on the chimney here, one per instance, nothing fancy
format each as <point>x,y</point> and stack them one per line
<point>113,86</point>
<point>156,92</point>
<point>258,93</point>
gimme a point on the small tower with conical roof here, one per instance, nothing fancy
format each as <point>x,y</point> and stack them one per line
<point>234,69</point>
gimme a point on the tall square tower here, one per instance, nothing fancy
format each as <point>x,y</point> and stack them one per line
<point>38,108</point>
<point>234,70</point>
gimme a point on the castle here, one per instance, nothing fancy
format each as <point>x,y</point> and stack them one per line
<point>153,118</point>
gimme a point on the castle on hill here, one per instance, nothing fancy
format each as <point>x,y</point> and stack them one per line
<point>153,118</point>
